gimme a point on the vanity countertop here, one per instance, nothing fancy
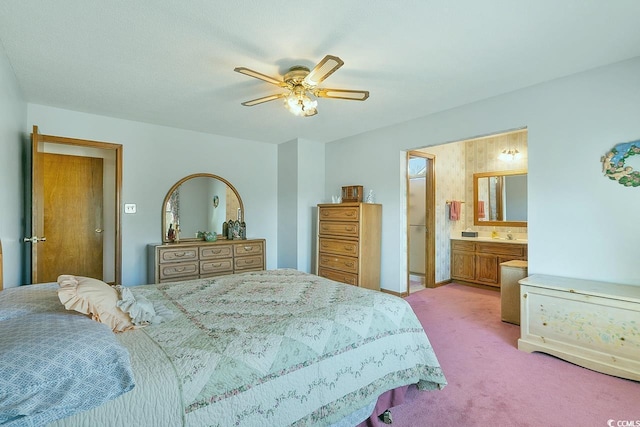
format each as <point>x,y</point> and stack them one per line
<point>501,239</point>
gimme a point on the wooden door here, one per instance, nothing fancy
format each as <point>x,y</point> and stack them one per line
<point>72,188</point>
<point>67,212</point>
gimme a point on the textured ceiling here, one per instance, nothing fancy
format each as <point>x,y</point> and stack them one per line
<point>171,62</point>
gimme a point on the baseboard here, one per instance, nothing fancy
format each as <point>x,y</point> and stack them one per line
<point>398,294</point>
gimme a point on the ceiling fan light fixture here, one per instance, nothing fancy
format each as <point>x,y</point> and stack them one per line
<point>299,103</point>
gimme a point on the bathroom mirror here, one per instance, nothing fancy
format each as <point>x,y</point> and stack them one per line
<point>500,198</point>
<point>200,202</point>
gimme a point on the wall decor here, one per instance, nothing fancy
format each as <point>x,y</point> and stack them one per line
<point>613,164</point>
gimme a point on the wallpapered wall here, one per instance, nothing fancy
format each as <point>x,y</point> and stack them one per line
<point>481,155</point>
<point>450,185</point>
<point>455,165</point>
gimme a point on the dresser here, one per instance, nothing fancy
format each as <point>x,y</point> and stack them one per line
<point>589,323</point>
<point>171,262</point>
<point>348,244</point>
<point>478,261</point>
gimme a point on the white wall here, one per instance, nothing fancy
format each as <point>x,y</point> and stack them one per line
<point>300,189</point>
<point>310,191</point>
<point>13,122</point>
<point>580,224</point>
<point>155,158</point>
<point>287,204</point>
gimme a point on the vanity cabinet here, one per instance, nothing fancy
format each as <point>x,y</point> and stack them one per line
<point>479,262</point>
<point>171,262</point>
<point>348,245</point>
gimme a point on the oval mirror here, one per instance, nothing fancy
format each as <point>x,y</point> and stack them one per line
<point>500,198</point>
<point>200,202</point>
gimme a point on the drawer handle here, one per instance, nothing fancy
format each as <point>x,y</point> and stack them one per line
<point>178,269</point>
<point>352,228</point>
<point>248,248</point>
<point>325,213</point>
<point>351,213</point>
<point>349,264</point>
<point>179,254</point>
<point>249,261</point>
<point>218,264</point>
<point>217,251</point>
<point>348,248</point>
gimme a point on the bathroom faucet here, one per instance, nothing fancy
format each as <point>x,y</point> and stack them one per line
<point>509,235</point>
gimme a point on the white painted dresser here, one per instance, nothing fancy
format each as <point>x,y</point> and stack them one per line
<point>592,324</point>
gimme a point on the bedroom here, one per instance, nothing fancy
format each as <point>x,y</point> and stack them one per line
<point>581,224</point>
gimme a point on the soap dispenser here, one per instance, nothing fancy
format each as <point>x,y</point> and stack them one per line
<point>494,233</point>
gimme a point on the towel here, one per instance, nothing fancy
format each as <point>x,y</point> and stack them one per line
<point>454,210</point>
<point>481,209</point>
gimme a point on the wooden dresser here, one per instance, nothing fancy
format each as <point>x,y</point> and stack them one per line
<point>479,261</point>
<point>592,324</point>
<point>171,262</point>
<point>348,246</point>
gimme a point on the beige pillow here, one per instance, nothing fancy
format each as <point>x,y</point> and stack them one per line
<point>93,297</point>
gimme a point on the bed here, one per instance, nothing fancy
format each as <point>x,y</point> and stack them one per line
<point>277,347</point>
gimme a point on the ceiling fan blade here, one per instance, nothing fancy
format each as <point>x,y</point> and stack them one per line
<point>353,95</point>
<point>324,69</point>
<point>257,75</point>
<point>263,99</point>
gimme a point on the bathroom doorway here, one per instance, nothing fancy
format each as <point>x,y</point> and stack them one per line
<point>420,221</point>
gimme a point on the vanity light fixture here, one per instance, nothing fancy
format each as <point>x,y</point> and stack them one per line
<point>509,155</point>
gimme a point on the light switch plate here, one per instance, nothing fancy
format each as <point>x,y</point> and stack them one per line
<point>130,208</point>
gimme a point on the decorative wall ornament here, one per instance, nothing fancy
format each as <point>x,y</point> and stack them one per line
<point>613,164</point>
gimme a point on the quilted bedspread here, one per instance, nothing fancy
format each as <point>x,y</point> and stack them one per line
<point>274,348</point>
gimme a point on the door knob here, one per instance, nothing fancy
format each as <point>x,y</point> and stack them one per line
<point>98,230</point>
<point>35,239</point>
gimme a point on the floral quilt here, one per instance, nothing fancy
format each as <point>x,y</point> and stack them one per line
<point>283,347</point>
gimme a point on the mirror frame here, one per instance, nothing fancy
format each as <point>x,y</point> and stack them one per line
<point>476,176</point>
<point>178,184</point>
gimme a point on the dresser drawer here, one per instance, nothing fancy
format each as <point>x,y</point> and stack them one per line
<point>346,229</point>
<point>214,252</point>
<point>244,249</point>
<point>339,276</point>
<point>338,247</point>
<point>253,262</point>
<point>179,270</point>
<point>338,262</point>
<point>177,254</point>
<point>339,213</point>
<point>217,266</point>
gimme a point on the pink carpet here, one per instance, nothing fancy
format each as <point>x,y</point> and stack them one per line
<point>492,383</point>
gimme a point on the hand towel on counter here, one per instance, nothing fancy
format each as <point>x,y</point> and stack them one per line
<point>454,210</point>
<point>481,213</point>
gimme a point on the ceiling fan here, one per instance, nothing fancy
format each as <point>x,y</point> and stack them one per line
<point>301,85</point>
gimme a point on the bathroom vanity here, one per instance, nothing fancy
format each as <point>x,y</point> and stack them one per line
<point>477,259</point>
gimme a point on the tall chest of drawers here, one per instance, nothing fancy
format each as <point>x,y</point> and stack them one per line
<point>193,260</point>
<point>348,245</point>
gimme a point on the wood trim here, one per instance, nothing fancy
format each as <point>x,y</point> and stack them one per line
<point>430,244</point>
<point>475,199</point>
<point>398,294</point>
<point>37,225</point>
